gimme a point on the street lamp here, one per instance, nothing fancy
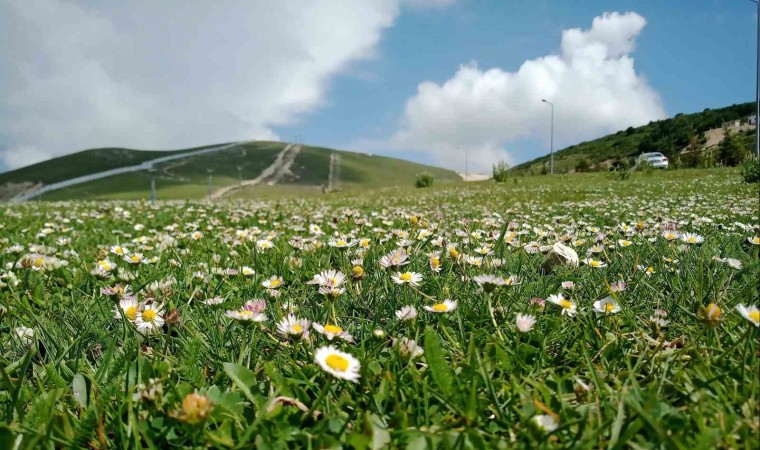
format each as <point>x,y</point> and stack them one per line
<point>757,85</point>
<point>551,160</point>
<point>465,161</point>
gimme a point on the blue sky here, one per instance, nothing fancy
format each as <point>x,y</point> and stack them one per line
<point>414,79</point>
<point>696,54</point>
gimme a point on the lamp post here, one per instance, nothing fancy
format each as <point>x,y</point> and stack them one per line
<point>757,85</point>
<point>465,161</point>
<point>551,146</point>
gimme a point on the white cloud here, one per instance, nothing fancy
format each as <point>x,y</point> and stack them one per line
<point>172,74</point>
<point>592,83</point>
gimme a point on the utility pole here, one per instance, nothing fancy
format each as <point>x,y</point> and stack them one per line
<point>465,161</point>
<point>240,175</point>
<point>210,172</point>
<point>551,145</point>
<point>152,172</point>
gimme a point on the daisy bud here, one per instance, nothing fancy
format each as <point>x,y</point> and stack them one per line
<point>195,409</point>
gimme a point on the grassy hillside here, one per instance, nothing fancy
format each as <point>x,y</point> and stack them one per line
<point>184,178</point>
<point>669,136</point>
<point>313,166</point>
<point>188,178</point>
<point>83,163</point>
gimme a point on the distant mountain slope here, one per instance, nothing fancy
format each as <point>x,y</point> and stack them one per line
<point>83,163</point>
<point>669,136</point>
<point>188,178</point>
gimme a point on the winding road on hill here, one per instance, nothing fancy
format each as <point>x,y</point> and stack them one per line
<point>271,175</point>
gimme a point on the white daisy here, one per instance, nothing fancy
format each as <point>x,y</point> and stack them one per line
<point>128,307</point>
<point>692,238</point>
<point>443,307</point>
<point>293,327</point>
<point>595,263</point>
<point>149,321</point>
<point>412,278</point>
<point>525,322</point>
<point>338,364</point>
<point>607,305</point>
<point>332,331</point>
<point>751,313</point>
<point>407,313</point>
<point>568,307</point>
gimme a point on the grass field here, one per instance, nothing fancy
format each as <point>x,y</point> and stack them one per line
<point>193,325</point>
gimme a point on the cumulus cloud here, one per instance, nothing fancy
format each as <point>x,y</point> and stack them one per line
<point>592,83</point>
<point>172,74</point>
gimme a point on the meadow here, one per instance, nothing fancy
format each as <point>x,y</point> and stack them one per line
<point>575,311</point>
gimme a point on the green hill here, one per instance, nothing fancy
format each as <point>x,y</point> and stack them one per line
<point>187,178</point>
<point>83,163</point>
<point>669,136</point>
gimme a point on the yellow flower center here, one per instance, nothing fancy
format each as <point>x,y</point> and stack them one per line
<point>691,240</point>
<point>148,315</point>
<point>38,262</point>
<point>440,307</point>
<point>333,329</point>
<point>454,253</point>
<point>565,304</point>
<point>364,243</point>
<point>713,311</point>
<point>755,316</point>
<point>594,263</point>
<point>274,282</point>
<point>341,242</point>
<point>406,276</point>
<point>337,362</point>
<point>358,271</point>
<point>131,313</point>
<point>609,307</point>
<point>756,240</point>
<point>435,262</point>
<point>297,328</point>
<point>135,258</point>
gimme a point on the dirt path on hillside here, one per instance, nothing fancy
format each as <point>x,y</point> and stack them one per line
<point>271,175</point>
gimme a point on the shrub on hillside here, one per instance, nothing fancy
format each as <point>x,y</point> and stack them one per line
<point>751,170</point>
<point>500,171</point>
<point>583,165</point>
<point>424,179</point>
<point>731,151</point>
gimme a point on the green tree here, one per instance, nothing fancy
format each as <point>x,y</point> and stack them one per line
<point>731,152</point>
<point>583,165</point>
<point>500,171</point>
<point>424,179</point>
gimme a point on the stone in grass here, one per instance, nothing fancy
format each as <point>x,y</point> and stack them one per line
<point>559,255</point>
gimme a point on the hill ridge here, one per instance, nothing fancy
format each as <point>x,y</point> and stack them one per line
<point>668,136</point>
